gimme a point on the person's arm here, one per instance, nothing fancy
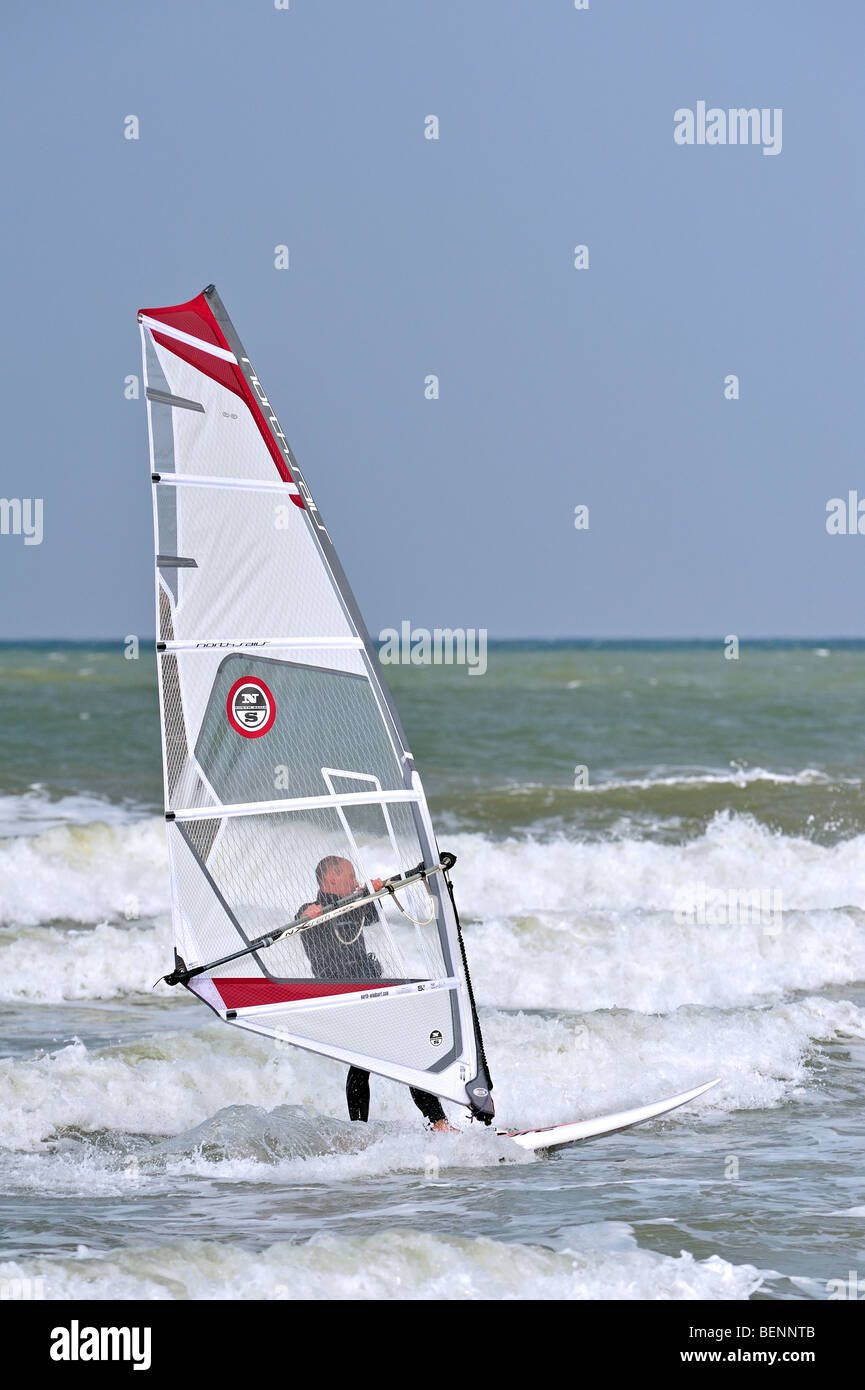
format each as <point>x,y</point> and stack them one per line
<point>378,883</point>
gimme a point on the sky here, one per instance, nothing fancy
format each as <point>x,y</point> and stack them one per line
<point>601,387</point>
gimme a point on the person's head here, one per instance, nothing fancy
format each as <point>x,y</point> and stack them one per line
<point>336,875</point>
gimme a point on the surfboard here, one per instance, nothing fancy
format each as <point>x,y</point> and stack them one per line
<point>557,1136</point>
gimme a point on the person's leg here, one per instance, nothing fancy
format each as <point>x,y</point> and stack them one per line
<point>429,1106</point>
<point>357,1093</point>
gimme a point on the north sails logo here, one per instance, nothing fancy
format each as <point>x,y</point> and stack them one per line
<point>251,707</point>
<point>76,1343</point>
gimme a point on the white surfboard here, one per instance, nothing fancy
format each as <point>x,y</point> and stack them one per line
<point>555,1136</point>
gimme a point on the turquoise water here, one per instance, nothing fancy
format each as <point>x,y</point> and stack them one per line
<point>150,1149</point>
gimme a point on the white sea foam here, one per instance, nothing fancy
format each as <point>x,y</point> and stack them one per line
<point>512,876</point>
<point>393,1264</point>
<point>550,1070</point>
<point>735,776</point>
<point>84,873</point>
<point>650,962</point>
<point>663,776</point>
<point>546,1069</point>
<point>49,965</point>
<point>36,810</point>
<point>550,924</point>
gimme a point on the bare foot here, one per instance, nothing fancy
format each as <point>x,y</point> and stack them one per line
<point>442,1127</point>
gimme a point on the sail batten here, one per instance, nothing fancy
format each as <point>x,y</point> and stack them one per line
<point>227,481</point>
<point>194,644</point>
<point>287,770</point>
<point>308,803</point>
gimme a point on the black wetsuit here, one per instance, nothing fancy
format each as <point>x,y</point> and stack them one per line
<point>336,950</point>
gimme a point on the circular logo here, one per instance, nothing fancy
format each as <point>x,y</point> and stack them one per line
<point>435,1037</point>
<point>479,1091</point>
<point>251,707</point>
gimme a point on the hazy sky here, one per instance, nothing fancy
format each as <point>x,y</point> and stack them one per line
<point>409,257</point>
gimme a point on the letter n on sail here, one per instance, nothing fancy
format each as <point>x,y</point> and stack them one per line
<point>281,743</point>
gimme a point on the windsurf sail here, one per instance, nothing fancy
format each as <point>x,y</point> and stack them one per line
<point>284,759</point>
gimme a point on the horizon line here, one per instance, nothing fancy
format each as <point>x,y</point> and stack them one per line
<point>150,641</point>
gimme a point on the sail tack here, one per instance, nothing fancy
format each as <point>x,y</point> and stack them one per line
<point>286,768</point>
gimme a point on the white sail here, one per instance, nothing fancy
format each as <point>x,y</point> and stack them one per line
<point>282,747</point>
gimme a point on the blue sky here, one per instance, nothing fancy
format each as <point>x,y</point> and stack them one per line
<point>558,387</point>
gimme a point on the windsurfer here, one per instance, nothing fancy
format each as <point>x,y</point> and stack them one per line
<point>337,951</point>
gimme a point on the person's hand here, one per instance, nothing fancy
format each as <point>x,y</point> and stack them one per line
<point>442,1127</point>
<point>314,910</point>
<point>377,884</point>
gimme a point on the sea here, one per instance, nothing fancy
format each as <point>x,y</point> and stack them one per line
<point>660,853</point>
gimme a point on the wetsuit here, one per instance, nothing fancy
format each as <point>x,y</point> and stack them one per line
<point>336,951</point>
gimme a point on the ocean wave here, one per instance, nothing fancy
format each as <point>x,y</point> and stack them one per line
<point>90,872</point>
<point>548,1070</point>
<point>84,873</point>
<point>648,961</point>
<point>513,876</point>
<point>51,965</point>
<point>734,776</point>
<point>36,810</point>
<point>550,924</point>
<point>605,1262</point>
